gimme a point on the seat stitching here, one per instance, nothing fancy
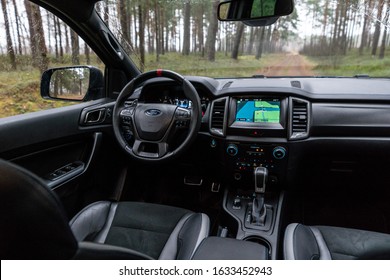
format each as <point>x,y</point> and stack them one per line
<point>128,227</point>
<point>344,254</point>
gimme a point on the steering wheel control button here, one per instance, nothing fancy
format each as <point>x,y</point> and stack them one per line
<point>232,150</point>
<point>181,124</point>
<point>279,153</point>
<point>127,112</point>
<point>126,120</point>
<point>126,115</point>
<point>127,134</point>
<point>182,113</point>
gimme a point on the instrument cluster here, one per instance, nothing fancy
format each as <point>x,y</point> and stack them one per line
<point>172,94</point>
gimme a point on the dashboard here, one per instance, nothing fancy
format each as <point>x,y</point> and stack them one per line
<point>286,123</point>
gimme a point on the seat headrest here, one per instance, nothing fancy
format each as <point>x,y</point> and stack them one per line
<point>33,222</point>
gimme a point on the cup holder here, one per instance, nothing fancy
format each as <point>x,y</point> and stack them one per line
<point>261,241</point>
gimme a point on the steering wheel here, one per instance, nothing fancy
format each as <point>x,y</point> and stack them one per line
<point>143,130</point>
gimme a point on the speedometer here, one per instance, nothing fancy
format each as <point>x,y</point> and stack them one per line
<point>166,98</point>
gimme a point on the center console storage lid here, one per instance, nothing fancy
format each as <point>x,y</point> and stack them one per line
<point>218,248</point>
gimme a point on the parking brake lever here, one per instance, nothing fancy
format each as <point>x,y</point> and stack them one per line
<point>259,210</point>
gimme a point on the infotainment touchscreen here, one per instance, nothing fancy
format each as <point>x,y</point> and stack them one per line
<point>259,110</point>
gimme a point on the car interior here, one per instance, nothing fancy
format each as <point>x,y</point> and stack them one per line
<point>126,175</point>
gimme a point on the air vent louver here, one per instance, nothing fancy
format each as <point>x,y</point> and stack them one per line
<point>300,119</point>
<point>218,117</point>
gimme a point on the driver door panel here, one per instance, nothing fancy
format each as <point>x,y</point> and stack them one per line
<point>52,145</point>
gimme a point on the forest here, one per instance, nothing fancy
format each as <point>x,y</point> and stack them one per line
<point>158,27</point>
<point>37,37</point>
<point>351,24</point>
<point>191,27</point>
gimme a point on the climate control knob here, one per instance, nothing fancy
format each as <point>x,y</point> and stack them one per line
<point>232,150</point>
<point>279,152</point>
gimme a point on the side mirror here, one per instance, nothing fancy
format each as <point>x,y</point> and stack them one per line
<point>75,83</point>
<point>254,12</point>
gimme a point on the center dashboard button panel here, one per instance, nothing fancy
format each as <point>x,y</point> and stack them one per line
<point>243,158</point>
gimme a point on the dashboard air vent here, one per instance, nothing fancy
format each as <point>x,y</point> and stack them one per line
<point>296,84</point>
<point>217,122</point>
<point>299,119</point>
<point>227,85</point>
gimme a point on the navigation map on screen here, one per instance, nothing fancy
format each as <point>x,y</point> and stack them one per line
<point>258,111</point>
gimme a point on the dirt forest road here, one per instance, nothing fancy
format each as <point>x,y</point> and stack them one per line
<point>290,64</point>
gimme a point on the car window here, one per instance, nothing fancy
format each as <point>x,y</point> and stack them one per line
<point>34,41</point>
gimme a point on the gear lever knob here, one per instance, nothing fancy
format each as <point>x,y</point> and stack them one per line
<point>259,210</point>
<point>261,178</point>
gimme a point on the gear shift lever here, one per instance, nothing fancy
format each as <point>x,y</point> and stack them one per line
<point>259,210</point>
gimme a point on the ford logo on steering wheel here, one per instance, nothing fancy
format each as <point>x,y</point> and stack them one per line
<point>153,112</point>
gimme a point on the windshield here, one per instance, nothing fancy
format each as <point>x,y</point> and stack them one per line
<point>320,38</point>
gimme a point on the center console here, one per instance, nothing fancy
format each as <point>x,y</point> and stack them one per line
<point>255,149</point>
<point>256,214</point>
<point>217,248</point>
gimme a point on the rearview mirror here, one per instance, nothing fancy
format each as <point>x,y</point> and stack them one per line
<point>254,10</point>
<point>75,83</point>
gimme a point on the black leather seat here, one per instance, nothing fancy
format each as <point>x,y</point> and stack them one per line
<point>334,243</point>
<point>34,225</point>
